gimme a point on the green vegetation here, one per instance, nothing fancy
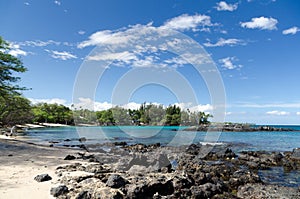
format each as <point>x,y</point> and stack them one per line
<point>14,108</point>
<point>151,114</point>
<point>52,113</point>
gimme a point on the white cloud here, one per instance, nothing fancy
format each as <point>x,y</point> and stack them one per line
<point>279,105</point>
<point>202,108</point>
<point>132,33</point>
<point>61,55</point>
<point>224,42</point>
<point>87,103</point>
<point>26,3</point>
<point>262,23</point>
<point>81,32</point>
<point>188,22</point>
<point>48,101</point>
<point>147,61</point>
<point>279,113</point>
<point>16,51</point>
<point>176,61</point>
<point>108,37</point>
<point>192,108</point>
<point>228,63</point>
<point>223,6</point>
<point>292,31</point>
<point>39,43</point>
<point>57,3</point>
<point>132,105</point>
<point>122,56</point>
<point>135,46</point>
<point>298,113</point>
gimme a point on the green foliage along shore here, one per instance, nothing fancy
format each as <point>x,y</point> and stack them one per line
<point>147,114</point>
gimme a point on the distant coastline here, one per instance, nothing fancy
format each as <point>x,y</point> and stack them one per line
<point>239,127</point>
<point>223,127</point>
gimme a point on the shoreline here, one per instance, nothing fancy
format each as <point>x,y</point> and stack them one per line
<point>134,171</point>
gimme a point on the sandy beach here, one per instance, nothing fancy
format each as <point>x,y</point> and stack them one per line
<point>21,162</point>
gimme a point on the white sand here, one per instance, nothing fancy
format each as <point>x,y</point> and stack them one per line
<point>17,172</point>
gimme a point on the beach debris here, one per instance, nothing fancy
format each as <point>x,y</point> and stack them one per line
<point>42,178</point>
<point>60,190</point>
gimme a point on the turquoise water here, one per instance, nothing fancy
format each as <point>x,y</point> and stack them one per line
<point>269,141</point>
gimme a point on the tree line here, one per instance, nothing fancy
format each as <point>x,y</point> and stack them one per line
<point>16,109</point>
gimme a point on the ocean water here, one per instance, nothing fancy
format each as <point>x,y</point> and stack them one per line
<point>269,141</point>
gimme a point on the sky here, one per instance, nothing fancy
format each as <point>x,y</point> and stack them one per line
<point>252,45</point>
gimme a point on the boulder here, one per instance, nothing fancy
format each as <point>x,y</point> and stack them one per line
<point>70,157</point>
<point>82,139</point>
<point>42,178</point>
<point>296,154</point>
<point>60,190</point>
<point>107,193</point>
<point>115,181</point>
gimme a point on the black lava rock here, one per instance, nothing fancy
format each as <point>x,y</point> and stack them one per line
<point>42,178</point>
<point>115,181</point>
<point>60,190</point>
<point>70,157</point>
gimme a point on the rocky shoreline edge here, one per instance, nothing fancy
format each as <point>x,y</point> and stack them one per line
<point>154,171</point>
<point>237,128</point>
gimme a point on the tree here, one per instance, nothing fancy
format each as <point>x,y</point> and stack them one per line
<point>14,109</point>
<point>203,118</point>
<point>53,113</point>
<point>144,114</point>
<point>9,65</point>
<point>121,116</point>
<point>135,116</point>
<point>105,117</point>
<point>173,116</point>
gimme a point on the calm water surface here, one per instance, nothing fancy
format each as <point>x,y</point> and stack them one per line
<point>269,141</point>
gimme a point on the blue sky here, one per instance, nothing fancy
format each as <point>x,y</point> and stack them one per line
<point>254,44</point>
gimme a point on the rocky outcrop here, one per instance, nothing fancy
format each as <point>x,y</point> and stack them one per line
<point>236,128</point>
<point>250,191</point>
<point>154,171</point>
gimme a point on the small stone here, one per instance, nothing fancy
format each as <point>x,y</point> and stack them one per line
<point>42,178</point>
<point>60,190</point>
<point>70,157</point>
